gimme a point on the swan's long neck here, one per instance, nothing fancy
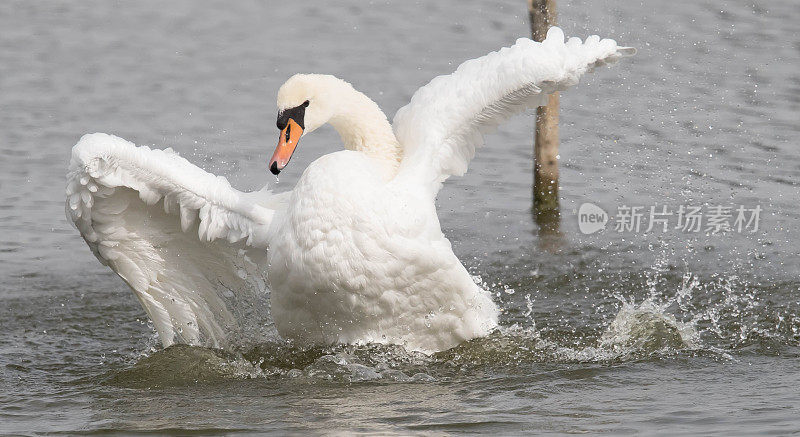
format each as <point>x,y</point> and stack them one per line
<point>364,127</point>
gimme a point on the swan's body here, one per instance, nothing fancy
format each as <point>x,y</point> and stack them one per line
<point>354,253</point>
<point>359,259</point>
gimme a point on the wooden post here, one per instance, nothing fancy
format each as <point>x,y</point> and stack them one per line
<point>542,14</point>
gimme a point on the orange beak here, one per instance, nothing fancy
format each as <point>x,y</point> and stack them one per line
<point>290,136</point>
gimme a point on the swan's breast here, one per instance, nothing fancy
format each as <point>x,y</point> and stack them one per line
<point>337,217</point>
<point>359,259</point>
<point>347,244</point>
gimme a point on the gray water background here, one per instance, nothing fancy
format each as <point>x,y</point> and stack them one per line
<point>706,113</point>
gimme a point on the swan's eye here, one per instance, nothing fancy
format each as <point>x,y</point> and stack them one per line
<point>306,103</point>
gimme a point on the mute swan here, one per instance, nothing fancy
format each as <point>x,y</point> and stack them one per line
<point>354,253</point>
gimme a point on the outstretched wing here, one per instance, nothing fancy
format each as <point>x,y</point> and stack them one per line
<point>445,121</point>
<point>192,248</point>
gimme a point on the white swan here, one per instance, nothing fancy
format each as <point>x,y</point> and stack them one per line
<point>354,253</point>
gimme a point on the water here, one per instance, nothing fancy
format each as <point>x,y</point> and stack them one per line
<point>674,333</point>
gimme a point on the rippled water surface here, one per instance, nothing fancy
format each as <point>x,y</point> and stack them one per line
<point>672,333</point>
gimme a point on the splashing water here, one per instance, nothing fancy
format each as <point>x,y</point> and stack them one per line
<point>663,324</point>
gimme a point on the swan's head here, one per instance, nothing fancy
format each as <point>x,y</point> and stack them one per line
<point>305,102</point>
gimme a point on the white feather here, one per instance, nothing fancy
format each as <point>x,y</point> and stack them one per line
<point>445,121</point>
<point>113,189</point>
